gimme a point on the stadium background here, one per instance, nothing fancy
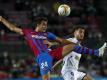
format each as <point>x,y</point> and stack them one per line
<point>17,59</point>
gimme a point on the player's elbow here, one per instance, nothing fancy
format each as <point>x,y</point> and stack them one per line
<point>12,29</point>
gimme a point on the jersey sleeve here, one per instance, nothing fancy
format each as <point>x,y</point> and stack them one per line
<point>74,40</point>
<point>26,31</point>
<point>51,36</point>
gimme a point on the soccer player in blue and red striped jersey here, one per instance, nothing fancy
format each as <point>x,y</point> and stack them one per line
<point>37,41</point>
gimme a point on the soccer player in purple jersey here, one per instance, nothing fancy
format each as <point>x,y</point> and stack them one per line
<point>39,35</point>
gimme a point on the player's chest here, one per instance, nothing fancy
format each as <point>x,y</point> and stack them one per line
<point>36,35</point>
<point>74,56</point>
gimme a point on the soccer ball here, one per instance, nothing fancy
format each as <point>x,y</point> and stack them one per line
<point>64,10</point>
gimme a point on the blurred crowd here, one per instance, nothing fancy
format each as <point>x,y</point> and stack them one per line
<point>12,67</point>
<point>24,12</point>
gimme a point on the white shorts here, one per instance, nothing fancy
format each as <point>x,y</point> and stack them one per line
<point>73,75</point>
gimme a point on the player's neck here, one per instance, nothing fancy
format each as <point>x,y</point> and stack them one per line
<point>37,29</point>
<point>79,40</point>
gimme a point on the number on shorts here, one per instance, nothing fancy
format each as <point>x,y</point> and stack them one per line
<point>44,64</point>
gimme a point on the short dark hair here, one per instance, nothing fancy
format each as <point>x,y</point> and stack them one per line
<point>78,27</point>
<point>40,19</point>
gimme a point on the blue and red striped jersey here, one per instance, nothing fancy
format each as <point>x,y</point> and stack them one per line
<point>35,40</point>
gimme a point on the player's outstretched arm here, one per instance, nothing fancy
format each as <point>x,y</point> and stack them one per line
<point>80,49</point>
<point>11,26</point>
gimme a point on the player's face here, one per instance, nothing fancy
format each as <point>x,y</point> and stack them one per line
<point>79,34</point>
<point>42,26</point>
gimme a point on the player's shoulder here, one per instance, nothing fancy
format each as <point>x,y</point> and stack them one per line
<point>26,30</point>
<point>49,32</point>
<point>70,39</point>
<point>73,39</point>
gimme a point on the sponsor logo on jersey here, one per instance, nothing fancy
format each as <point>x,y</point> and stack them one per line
<point>39,37</point>
<point>45,34</point>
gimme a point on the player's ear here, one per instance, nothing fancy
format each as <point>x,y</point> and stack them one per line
<point>74,32</point>
<point>38,24</point>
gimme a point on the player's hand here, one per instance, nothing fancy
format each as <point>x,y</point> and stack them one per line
<point>48,43</point>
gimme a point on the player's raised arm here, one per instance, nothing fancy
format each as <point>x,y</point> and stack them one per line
<point>11,26</point>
